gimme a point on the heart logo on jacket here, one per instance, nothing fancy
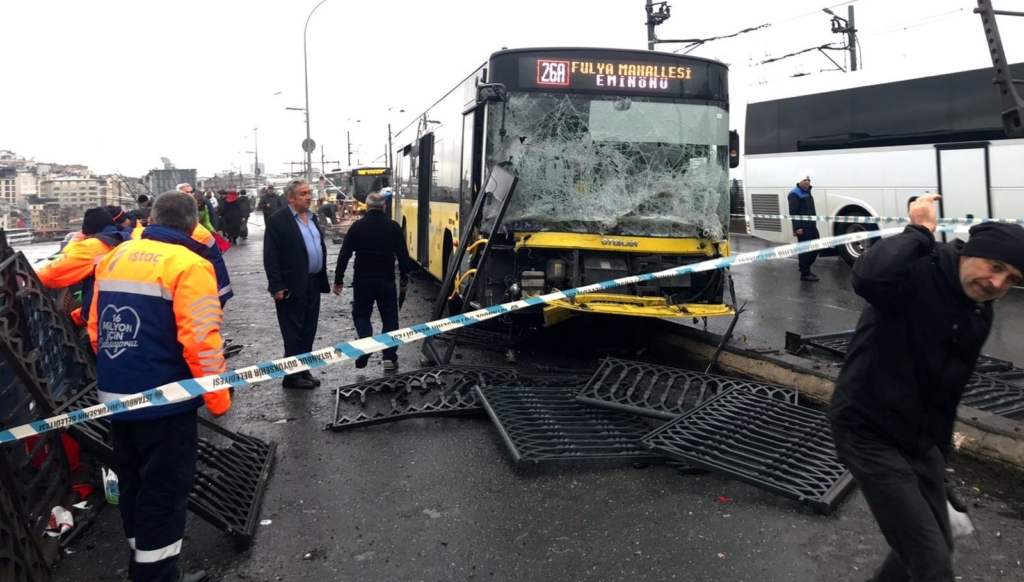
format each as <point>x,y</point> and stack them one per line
<point>119,328</point>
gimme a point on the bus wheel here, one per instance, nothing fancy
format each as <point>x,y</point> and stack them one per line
<point>852,251</point>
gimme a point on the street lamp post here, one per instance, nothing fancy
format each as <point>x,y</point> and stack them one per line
<point>256,153</point>
<point>305,70</point>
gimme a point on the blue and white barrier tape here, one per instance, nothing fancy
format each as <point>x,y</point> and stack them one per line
<point>878,219</point>
<point>186,389</point>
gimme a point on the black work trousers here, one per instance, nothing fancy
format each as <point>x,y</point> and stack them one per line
<point>907,496</point>
<point>381,291</point>
<point>155,461</point>
<point>805,260</point>
<point>297,316</point>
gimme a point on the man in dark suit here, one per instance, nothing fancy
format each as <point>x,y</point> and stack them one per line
<point>293,257</point>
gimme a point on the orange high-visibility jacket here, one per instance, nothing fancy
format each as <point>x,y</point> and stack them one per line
<point>155,319</point>
<point>77,261</point>
<point>210,252</point>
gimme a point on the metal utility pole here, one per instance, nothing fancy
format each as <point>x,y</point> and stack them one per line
<point>305,70</point>
<point>650,25</point>
<point>348,146</point>
<point>654,19</point>
<point>391,154</point>
<point>852,36</point>
<point>324,162</point>
<point>845,26</point>
<point>256,153</point>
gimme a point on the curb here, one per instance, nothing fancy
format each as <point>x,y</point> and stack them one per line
<point>988,437</point>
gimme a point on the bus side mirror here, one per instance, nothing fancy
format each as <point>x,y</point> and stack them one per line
<point>734,149</point>
<point>491,93</point>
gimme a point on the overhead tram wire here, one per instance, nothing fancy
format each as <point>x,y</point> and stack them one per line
<point>450,91</point>
<point>697,43</point>
<point>700,42</point>
<point>813,12</point>
<point>823,48</point>
<point>914,23</point>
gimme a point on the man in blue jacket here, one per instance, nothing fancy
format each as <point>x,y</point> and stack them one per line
<point>801,203</point>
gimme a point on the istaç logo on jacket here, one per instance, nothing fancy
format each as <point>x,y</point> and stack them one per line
<point>119,328</point>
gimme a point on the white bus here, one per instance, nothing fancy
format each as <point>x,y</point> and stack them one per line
<point>871,143</point>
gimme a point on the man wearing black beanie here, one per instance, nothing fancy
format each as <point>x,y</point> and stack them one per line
<point>915,347</point>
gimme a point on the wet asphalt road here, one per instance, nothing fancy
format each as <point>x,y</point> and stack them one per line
<point>439,500</point>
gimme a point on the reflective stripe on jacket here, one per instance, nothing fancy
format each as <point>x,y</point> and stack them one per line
<point>211,252</point>
<point>155,319</point>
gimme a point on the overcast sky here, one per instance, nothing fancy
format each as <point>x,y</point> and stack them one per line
<point>118,84</point>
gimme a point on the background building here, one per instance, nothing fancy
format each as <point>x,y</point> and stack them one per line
<point>8,185</point>
<point>26,186</point>
<point>45,214</point>
<point>74,194</point>
<point>160,181</point>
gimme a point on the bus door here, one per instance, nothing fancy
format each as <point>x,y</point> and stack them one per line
<point>426,158</point>
<point>964,182</point>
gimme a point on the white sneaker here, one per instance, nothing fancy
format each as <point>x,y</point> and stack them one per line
<point>390,366</point>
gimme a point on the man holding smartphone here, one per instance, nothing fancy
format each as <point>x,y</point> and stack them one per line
<point>293,257</point>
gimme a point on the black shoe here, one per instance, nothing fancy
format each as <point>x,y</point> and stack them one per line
<point>198,576</point>
<point>809,277</point>
<point>361,361</point>
<point>307,375</point>
<point>298,382</point>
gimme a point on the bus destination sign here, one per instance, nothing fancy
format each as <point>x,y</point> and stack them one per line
<point>596,74</point>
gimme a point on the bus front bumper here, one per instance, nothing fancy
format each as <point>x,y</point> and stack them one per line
<point>616,304</point>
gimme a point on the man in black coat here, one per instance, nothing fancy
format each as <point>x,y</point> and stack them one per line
<point>246,204</point>
<point>915,347</point>
<point>294,257</point>
<point>377,242</point>
<point>270,203</point>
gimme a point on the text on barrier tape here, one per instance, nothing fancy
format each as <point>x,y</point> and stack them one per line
<point>876,219</point>
<point>186,389</point>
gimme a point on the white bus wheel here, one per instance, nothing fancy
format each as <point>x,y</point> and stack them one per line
<point>852,251</point>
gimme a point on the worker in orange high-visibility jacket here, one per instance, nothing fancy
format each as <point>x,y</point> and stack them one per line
<point>155,320</point>
<point>209,251</point>
<point>77,262</point>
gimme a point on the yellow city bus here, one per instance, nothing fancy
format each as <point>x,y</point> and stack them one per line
<point>622,158</point>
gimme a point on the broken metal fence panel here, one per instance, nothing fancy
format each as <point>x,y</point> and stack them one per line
<point>428,392</point>
<point>546,426</point>
<point>231,475</point>
<point>834,343</point>
<point>21,558</point>
<point>438,391</point>
<point>991,394</point>
<point>39,472</point>
<point>662,392</point>
<point>765,442</point>
<point>479,338</point>
<point>231,481</point>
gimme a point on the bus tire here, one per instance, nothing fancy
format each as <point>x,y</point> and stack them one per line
<point>852,251</point>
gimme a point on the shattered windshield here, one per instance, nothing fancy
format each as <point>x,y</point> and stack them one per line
<point>612,165</point>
